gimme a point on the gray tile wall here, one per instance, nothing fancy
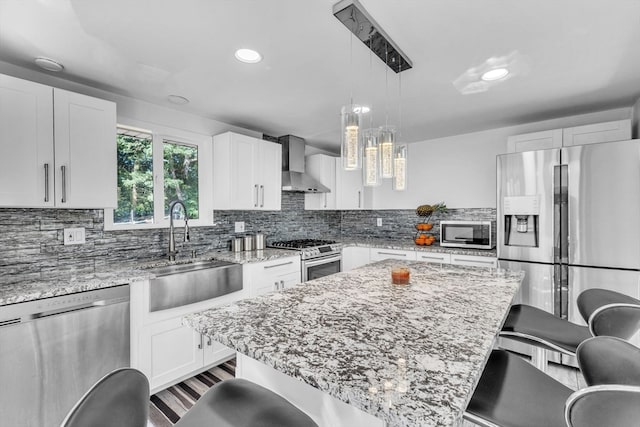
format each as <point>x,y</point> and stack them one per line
<point>31,240</point>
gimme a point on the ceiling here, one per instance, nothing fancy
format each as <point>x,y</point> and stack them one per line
<point>575,56</point>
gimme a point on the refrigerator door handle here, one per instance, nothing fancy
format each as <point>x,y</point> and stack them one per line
<point>561,214</point>
<point>561,291</point>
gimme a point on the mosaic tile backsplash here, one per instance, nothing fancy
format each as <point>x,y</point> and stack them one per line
<point>31,240</point>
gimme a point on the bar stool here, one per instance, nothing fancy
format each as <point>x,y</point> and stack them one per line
<point>513,393</point>
<point>121,399</point>
<point>606,312</point>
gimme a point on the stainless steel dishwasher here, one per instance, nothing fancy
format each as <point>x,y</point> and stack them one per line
<point>52,351</point>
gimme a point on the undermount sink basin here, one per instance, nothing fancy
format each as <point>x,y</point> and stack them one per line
<point>182,284</point>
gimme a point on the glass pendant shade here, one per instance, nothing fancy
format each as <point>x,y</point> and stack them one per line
<point>387,142</point>
<point>400,168</point>
<point>371,160</point>
<point>351,138</point>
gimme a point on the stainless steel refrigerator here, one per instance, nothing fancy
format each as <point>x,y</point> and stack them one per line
<point>570,218</point>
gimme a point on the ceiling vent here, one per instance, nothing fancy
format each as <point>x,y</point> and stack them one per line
<point>354,16</point>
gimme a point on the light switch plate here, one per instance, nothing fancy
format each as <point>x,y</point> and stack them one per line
<point>379,222</point>
<point>74,236</point>
<point>239,226</point>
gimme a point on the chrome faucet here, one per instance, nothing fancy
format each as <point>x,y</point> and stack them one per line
<point>172,239</point>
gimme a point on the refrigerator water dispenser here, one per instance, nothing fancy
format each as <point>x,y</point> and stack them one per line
<point>521,217</point>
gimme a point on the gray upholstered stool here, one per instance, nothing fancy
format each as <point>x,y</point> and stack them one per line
<point>241,403</point>
<point>607,313</point>
<point>511,392</point>
<point>119,399</point>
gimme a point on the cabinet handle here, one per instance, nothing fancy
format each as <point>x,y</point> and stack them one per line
<point>46,182</point>
<point>200,344</point>
<point>64,184</point>
<point>325,200</point>
<point>209,341</point>
<point>275,286</point>
<point>255,205</point>
<point>359,198</point>
<point>277,265</point>
<point>391,253</point>
<point>282,284</point>
<point>439,258</point>
<point>478,262</point>
<point>262,191</point>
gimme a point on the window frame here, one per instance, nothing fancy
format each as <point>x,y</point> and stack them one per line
<point>160,134</point>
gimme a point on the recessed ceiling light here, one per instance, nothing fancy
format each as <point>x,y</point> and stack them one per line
<point>48,64</point>
<point>249,56</point>
<point>177,99</point>
<point>495,74</point>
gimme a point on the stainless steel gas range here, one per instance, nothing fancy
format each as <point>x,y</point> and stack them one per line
<point>319,257</point>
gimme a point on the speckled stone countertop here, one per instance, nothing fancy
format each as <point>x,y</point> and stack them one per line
<point>344,335</point>
<point>12,293</point>
<point>410,246</point>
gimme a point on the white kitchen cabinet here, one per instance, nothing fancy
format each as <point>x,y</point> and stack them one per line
<point>350,191</point>
<point>323,169</point>
<point>169,350</point>
<point>247,173</point>
<point>474,261</point>
<point>377,254</point>
<point>435,257</point>
<point>354,256</point>
<point>57,148</point>
<point>268,276</point>
<point>164,349</point>
<point>618,130</point>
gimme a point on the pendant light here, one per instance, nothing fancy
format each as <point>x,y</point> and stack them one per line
<point>351,145</point>
<point>400,150</point>
<point>387,133</point>
<point>371,166</point>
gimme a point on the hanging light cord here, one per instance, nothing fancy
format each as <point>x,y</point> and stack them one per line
<point>386,86</point>
<point>399,105</point>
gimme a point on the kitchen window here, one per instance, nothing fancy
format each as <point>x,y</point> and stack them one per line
<point>154,169</point>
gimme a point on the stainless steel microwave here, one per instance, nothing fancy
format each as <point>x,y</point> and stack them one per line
<point>466,234</point>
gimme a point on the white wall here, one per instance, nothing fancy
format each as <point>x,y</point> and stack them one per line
<point>460,170</point>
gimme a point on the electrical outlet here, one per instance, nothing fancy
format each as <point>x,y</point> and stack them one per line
<point>379,222</point>
<point>239,226</point>
<point>74,236</point>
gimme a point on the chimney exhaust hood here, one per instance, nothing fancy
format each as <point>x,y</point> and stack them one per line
<point>294,177</point>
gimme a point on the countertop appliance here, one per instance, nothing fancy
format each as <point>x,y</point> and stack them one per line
<point>466,234</point>
<point>570,218</point>
<point>53,350</point>
<point>319,257</point>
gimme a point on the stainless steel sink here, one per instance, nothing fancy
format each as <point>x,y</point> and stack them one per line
<point>182,284</point>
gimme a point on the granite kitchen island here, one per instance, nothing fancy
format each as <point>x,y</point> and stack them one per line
<point>395,355</point>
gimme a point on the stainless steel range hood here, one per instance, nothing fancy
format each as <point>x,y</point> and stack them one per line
<point>294,177</point>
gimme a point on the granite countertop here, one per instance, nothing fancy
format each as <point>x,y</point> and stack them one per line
<point>344,335</point>
<point>410,246</point>
<point>30,290</point>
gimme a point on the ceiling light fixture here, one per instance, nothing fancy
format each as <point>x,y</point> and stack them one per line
<point>248,56</point>
<point>49,64</point>
<point>355,17</point>
<point>177,99</point>
<point>495,74</point>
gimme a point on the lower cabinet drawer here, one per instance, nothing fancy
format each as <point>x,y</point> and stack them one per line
<point>436,257</point>
<point>380,254</point>
<point>474,261</point>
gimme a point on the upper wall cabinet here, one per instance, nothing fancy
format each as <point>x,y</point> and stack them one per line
<point>247,173</point>
<point>57,148</point>
<point>323,169</point>
<point>618,130</point>
<point>347,191</point>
